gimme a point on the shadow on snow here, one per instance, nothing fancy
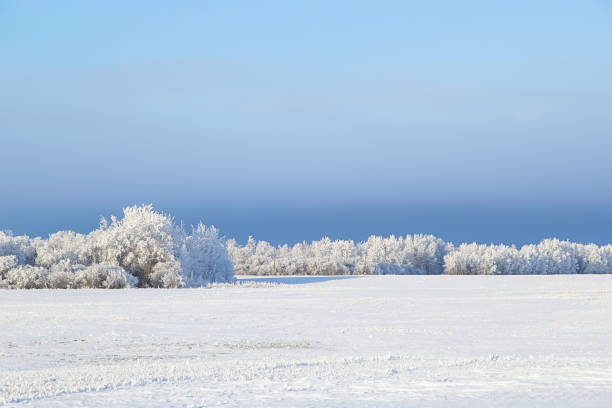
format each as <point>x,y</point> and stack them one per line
<point>295,280</point>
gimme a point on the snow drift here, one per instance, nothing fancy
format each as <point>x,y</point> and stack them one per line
<point>144,248</point>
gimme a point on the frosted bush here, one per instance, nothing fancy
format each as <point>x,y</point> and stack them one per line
<point>106,275</point>
<point>166,275</point>
<point>61,280</point>
<point>139,241</point>
<point>28,277</point>
<point>20,246</point>
<point>592,258</point>
<point>144,248</point>
<point>62,246</point>
<point>394,269</point>
<point>417,254</point>
<point>204,258</point>
<point>475,259</point>
<point>422,254</point>
<point>334,268</point>
<point>468,260</point>
<point>63,273</point>
<point>550,256</point>
<point>7,263</point>
<point>158,253</point>
<point>61,277</point>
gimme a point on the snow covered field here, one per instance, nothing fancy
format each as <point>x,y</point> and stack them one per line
<point>376,341</point>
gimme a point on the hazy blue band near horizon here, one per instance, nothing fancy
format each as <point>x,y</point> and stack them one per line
<point>292,224</point>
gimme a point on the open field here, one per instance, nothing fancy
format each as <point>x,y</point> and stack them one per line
<point>375,341</point>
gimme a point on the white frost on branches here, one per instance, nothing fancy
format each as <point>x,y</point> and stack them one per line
<point>204,257</point>
<point>413,254</point>
<point>550,256</point>
<point>417,254</point>
<point>144,248</point>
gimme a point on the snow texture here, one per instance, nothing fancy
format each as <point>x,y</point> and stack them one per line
<point>341,341</point>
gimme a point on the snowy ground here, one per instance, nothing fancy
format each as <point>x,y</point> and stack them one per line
<point>380,341</point>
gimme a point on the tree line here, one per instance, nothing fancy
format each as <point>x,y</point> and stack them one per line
<point>417,254</point>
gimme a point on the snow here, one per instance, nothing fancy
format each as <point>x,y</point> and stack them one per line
<point>371,341</point>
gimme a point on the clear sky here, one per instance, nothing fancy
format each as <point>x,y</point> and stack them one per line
<point>289,120</point>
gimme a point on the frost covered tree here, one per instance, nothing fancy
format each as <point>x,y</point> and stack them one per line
<point>144,248</point>
<point>105,275</point>
<point>592,258</point>
<point>62,274</point>
<point>417,254</point>
<point>550,256</point>
<point>414,254</point>
<point>158,253</point>
<point>204,257</point>
<point>62,246</point>
<point>28,277</point>
<point>19,246</point>
<point>7,262</point>
<point>137,242</point>
<point>475,259</point>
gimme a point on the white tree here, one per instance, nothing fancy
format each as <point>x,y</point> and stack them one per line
<point>144,248</point>
<point>7,262</point>
<point>62,246</point>
<point>204,257</point>
<point>28,277</point>
<point>19,246</point>
<point>105,275</point>
<point>138,242</point>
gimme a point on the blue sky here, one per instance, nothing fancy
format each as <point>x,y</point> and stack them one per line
<point>308,118</point>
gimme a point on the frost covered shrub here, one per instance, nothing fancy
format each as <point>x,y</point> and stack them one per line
<point>593,259</point>
<point>106,275</point>
<point>139,241</point>
<point>417,254</point>
<point>550,256</point>
<point>62,246</point>
<point>334,268</point>
<point>28,277</point>
<point>422,254</point>
<point>61,275</point>
<point>204,257</point>
<point>61,279</point>
<point>166,275</point>
<point>465,261</point>
<point>158,253</point>
<point>393,269</point>
<point>20,246</point>
<point>7,263</point>
<point>144,248</point>
<point>475,259</point>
